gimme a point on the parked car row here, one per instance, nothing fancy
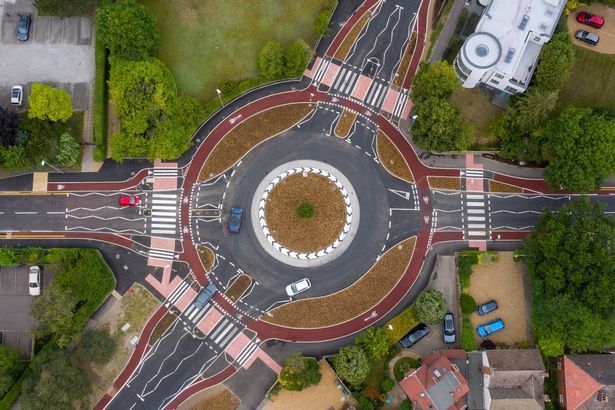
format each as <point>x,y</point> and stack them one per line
<point>592,20</point>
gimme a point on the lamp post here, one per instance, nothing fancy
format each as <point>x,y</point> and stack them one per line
<point>220,96</point>
<point>43,162</point>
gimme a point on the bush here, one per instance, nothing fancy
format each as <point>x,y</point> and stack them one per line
<point>299,372</point>
<point>467,342</point>
<point>48,103</point>
<point>405,405</point>
<point>8,257</point>
<point>468,304</point>
<point>401,324</point>
<point>305,210</point>
<point>464,270</point>
<point>321,24</point>
<point>99,153</point>
<point>97,346</point>
<point>271,60</point>
<point>430,306</point>
<point>296,57</point>
<point>386,385</point>
<point>487,345</point>
<point>403,365</point>
<point>100,98</point>
<point>69,150</point>
<point>365,403</point>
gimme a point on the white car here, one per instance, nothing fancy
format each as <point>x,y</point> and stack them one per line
<point>35,281</point>
<point>298,287</point>
<point>16,95</point>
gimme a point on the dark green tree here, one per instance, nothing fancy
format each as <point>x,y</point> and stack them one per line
<point>351,364</point>
<point>64,8</point>
<point>69,150</point>
<point>97,346</point>
<point>128,29</point>
<point>9,125</point>
<point>580,148</point>
<point>434,80</point>
<point>10,368</point>
<point>271,60</point>
<point>321,24</point>
<point>430,306</point>
<point>299,372</point>
<point>53,310</point>
<point>375,343</point>
<point>296,57</point>
<point>438,126</point>
<point>556,62</point>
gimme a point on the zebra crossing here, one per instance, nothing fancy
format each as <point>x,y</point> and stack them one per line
<point>164,209</point>
<point>177,293</point>
<point>320,73</point>
<point>165,172</point>
<point>476,205</point>
<point>402,99</point>
<point>162,254</point>
<point>376,94</point>
<point>345,81</point>
<point>194,314</point>
<point>247,352</point>
<point>224,332</point>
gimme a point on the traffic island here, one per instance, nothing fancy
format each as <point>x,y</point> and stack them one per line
<point>207,256</point>
<point>344,124</point>
<point>452,183</point>
<point>391,159</point>
<point>351,302</point>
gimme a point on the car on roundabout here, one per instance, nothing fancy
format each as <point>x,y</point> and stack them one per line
<point>129,200</point>
<point>299,286</point>
<point>234,223</point>
<point>490,328</point>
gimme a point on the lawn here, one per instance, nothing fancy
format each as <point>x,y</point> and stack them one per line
<point>477,111</point>
<point>591,83</point>
<point>206,42</point>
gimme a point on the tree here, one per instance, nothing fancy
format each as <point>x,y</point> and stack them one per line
<point>299,372</point>
<point>556,62</point>
<point>434,80</point>
<point>10,368</point>
<point>468,304</point>
<point>321,24</point>
<point>53,310</point>
<point>430,306</point>
<point>580,148</point>
<point>533,108</point>
<point>69,150</point>
<point>64,8</point>
<point>55,384</point>
<point>48,103</point>
<point>271,60</point>
<point>128,29</point>
<point>296,57</point>
<point>97,346</point>
<point>438,126</point>
<point>352,365</point>
<point>9,125</point>
<point>374,342</point>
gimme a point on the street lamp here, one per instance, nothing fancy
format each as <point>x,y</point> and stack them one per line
<point>220,96</point>
<point>43,162</point>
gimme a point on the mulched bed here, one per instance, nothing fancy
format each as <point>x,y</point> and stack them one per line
<point>161,327</point>
<point>207,256</point>
<point>248,134</point>
<point>453,183</point>
<point>344,124</point>
<point>224,400</point>
<point>238,287</point>
<point>495,186</point>
<point>305,234</point>
<point>354,300</point>
<point>391,159</point>
<point>405,61</point>
<point>344,48</point>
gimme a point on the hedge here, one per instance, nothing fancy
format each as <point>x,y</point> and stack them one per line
<point>401,324</point>
<point>101,97</point>
<point>467,342</point>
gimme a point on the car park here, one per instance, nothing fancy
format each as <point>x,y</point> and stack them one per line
<point>16,95</point>
<point>587,37</point>
<point>490,328</point>
<point>205,295</point>
<point>486,307</point>
<point>585,17</point>
<point>448,329</point>
<point>130,200</point>
<point>234,223</point>
<point>413,336</point>
<point>34,279</point>
<point>23,27</point>
<point>298,287</point>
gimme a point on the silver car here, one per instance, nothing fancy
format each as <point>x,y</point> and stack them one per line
<point>587,37</point>
<point>448,328</point>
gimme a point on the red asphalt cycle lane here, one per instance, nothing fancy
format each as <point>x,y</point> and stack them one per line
<point>97,186</point>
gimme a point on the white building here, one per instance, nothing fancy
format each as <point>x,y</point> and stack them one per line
<point>503,51</point>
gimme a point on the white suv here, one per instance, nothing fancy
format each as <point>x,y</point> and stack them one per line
<point>35,281</point>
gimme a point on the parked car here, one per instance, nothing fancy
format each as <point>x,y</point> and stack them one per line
<point>448,329</point>
<point>234,223</point>
<point>23,27</point>
<point>16,95</point>
<point>486,307</point>
<point>34,281</point>
<point>587,37</point>
<point>490,328</point>
<point>205,295</point>
<point>130,200</point>
<point>298,287</point>
<point>585,17</point>
<point>413,336</point>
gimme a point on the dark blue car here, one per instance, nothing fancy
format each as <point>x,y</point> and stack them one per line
<point>487,307</point>
<point>234,223</point>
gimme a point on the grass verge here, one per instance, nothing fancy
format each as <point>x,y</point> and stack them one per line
<point>161,327</point>
<point>238,287</point>
<point>248,134</point>
<point>344,49</point>
<point>495,186</point>
<point>344,124</point>
<point>223,400</point>
<point>352,301</point>
<point>405,61</point>
<point>477,111</point>
<point>137,306</point>
<point>467,342</point>
<point>444,183</point>
<point>391,159</point>
<point>207,256</point>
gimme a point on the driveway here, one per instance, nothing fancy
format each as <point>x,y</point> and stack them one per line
<point>15,303</point>
<point>606,33</point>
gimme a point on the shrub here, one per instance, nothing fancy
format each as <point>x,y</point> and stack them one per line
<point>464,270</point>
<point>386,385</point>
<point>8,257</point>
<point>296,57</point>
<point>271,60</point>
<point>305,210</point>
<point>401,324</point>
<point>487,345</point>
<point>430,306</point>
<point>64,8</point>
<point>467,342</point>
<point>99,153</point>
<point>299,372</point>
<point>321,24</point>
<point>403,365</point>
<point>97,346</point>
<point>48,103</point>
<point>405,405</point>
<point>99,126</point>
<point>365,403</point>
<point>69,150</point>
<point>468,304</point>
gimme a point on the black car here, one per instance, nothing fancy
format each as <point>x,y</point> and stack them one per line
<point>587,37</point>
<point>448,329</point>
<point>413,336</point>
<point>487,307</point>
<point>23,27</point>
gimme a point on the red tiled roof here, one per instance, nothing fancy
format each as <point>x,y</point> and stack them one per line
<point>579,386</point>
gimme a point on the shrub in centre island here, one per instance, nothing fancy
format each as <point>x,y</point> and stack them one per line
<point>305,210</point>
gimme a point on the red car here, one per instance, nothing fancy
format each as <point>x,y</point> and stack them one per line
<point>130,200</point>
<point>585,17</point>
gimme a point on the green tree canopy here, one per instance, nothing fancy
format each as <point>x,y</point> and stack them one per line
<point>580,148</point>
<point>299,372</point>
<point>296,57</point>
<point>351,364</point>
<point>69,150</point>
<point>556,62</point>
<point>375,343</point>
<point>430,306</point>
<point>271,60</point>
<point>97,346</point>
<point>55,384</point>
<point>438,126</point>
<point>10,368</point>
<point>48,103</point>
<point>434,80</point>
<point>128,29</point>
<point>53,310</point>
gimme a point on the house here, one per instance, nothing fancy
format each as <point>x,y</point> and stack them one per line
<point>586,381</point>
<point>438,383</point>
<point>502,54</point>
